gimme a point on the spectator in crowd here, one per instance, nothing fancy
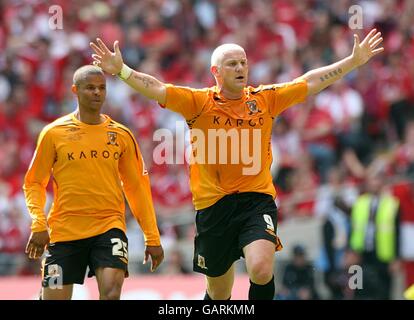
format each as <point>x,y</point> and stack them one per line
<point>286,145</point>
<point>333,203</point>
<point>403,156</point>
<point>375,228</point>
<point>298,281</point>
<point>316,127</point>
<point>297,195</point>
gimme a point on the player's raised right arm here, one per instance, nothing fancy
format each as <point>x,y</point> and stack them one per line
<point>111,62</point>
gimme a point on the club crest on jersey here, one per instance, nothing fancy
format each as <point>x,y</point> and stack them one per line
<point>112,138</point>
<point>252,105</point>
<point>201,262</point>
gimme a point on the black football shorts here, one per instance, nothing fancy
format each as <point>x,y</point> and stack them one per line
<point>226,227</point>
<point>69,259</point>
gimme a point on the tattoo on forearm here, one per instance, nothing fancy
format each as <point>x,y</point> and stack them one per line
<point>331,74</point>
<point>145,80</point>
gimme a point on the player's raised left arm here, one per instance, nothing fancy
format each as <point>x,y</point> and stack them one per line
<point>319,79</point>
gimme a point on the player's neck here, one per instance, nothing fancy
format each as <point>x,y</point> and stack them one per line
<point>229,94</point>
<point>89,118</point>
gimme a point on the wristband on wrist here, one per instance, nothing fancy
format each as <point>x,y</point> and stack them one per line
<point>125,72</point>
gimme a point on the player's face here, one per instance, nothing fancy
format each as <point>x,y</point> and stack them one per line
<point>91,92</point>
<point>234,70</point>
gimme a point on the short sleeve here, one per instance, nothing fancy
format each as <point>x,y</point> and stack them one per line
<point>184,100</point>
<point>287,94</point>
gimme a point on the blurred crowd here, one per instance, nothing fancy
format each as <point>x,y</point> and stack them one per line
<point>328,146</point>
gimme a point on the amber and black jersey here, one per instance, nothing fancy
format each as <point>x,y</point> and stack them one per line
<point>247,123</point>
<point>92,166</point>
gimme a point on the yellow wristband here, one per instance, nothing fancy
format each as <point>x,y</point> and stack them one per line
<point>125,72</point>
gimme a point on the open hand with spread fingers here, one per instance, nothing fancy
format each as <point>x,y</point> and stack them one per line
<point>365,50</point>
<point>110,62</point>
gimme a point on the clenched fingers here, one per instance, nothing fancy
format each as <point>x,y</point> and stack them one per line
<point>34,251</point>
<point>156,261</point>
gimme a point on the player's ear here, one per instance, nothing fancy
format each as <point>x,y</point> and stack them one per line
<point>74,89</point>
<point>214,70</point>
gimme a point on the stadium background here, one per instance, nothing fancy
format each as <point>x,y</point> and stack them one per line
<point>366,116</point>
